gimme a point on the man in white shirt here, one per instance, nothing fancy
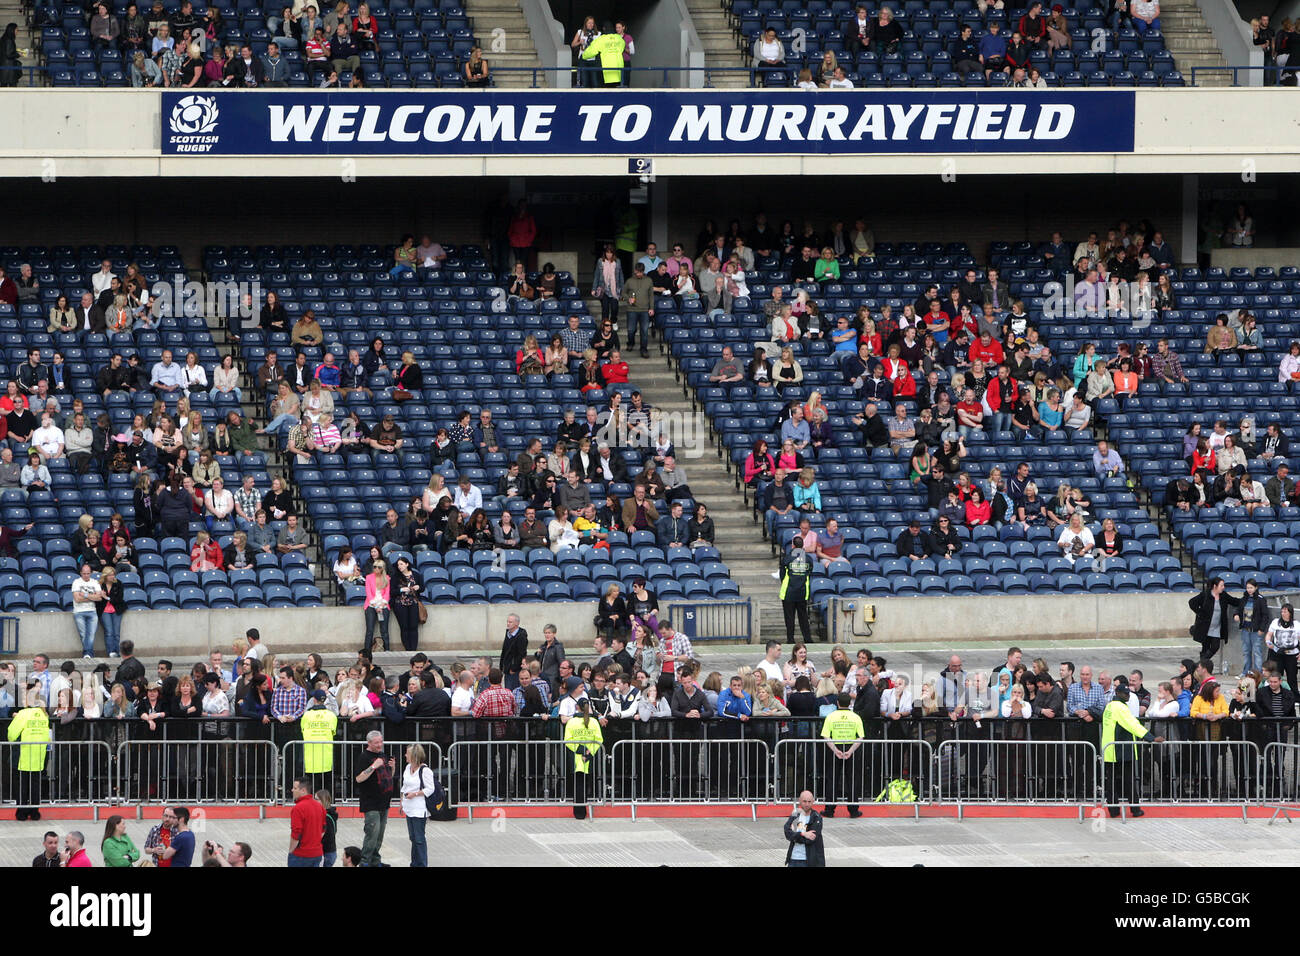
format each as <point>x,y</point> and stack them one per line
<point>840,81</point>
<point>462,698</point>
<point>85,592</point>
<point>467,498</point>
<point>103,279</point>
<point>48,439</point>
<point>771,664</point>
<point>166,376</point>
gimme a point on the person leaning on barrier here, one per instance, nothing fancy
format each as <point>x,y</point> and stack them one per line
<point>1119,732</point>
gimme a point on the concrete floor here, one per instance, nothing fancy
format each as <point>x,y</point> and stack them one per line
<point>612,843</point>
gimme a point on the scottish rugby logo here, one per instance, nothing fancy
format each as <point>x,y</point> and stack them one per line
<point>193,124</point>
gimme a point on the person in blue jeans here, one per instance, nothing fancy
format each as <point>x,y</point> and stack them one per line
<point>86,593</point>
<point>1254,618</point>
<point>417,784</point>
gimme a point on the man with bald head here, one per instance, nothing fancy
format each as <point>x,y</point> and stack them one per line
<point>803,832</point>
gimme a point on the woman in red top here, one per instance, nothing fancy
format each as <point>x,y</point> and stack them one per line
<point>363,29</point>
<point>759,464</point>
<point>871,337</point>
<point>13,399</point>
<point>1203,458</point>
<point>206,554</point>
<point>900,374</point>
<point>978,511</point>
<point>116,526</point>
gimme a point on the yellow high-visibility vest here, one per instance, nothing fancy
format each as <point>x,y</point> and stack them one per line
<point>31,726</point>
<point>318,728</point>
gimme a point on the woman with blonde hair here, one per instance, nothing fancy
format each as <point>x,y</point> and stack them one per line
<point>529,359</point>
<point>417,784</point>
<point>377,604</point>
<point>436,490</point>
<point>766,704</point>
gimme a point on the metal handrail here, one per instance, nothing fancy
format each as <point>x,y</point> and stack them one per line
<point>1236,71</point>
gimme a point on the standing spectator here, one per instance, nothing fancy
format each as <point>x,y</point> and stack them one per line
<point>375,789</point>
<point>803,831</point>
<point>306,827</point>
<point>417,786</point>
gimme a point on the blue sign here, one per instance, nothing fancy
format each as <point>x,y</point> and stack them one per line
<point>644,123</point>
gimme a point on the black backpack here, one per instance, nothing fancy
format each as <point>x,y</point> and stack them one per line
<point>436,804</point>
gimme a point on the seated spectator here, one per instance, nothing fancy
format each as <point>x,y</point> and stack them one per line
<point>1280,489</point>
<point>768,52</point>
<point>1220,339</point>
<point>206,554</point>
<point>1288,371</point>
<point>1031,510</point>
<point>778,500</point>
<point>1079,415</point>
<point>978,510</point>
<point>561,533</point>
<point>910,543</point>
<point>787,374</point>
<point>806,492</point>
<point>1077,544</point>
<point>902,430</point>
<point>759,465</point>
<point>726,371</point>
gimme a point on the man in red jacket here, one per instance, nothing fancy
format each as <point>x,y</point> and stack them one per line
<point>306,826</point>
<point>985,350</point>
<point>1002,394</point>
<point>615,371</point>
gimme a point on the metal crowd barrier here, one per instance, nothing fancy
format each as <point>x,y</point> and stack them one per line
<point>75,772</point>
<point>536,773</point>
<point>337,770</point>
<point>1183,772</point>
<point>690,771</point>
<point>197,771</point>
<point>1279,781</point>
<point>1060,772</point>
<point>877,769</point>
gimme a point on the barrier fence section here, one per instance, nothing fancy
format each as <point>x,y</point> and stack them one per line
<point>1059,772</point>
<point>1181,773</point>
<point>876,771</point>
<point>1279,783</point>
<point>694,770</point>
<point>539,773</point>
<point>197,771</point>
<point>334,766</point>
<point>60,772</point>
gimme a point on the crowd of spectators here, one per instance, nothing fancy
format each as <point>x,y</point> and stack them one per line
<point>183,48</point>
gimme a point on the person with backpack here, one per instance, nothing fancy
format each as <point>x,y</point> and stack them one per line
<point>417,786</point>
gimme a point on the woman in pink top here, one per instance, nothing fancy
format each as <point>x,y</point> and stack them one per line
<point>377,592</point>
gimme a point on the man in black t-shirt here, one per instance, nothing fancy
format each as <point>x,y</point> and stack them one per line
<point>375,790</point>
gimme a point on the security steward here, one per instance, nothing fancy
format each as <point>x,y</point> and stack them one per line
<point>31,728</point>
<point>583,737</point>
<point>796,584</point>
<point>318,727</point>
<point>1119,752</point>
<point>843,733</point>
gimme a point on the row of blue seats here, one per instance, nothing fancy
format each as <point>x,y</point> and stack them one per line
<point>499,592</point>
<point>187,597</point>
<point>1037,582</point>
<point>86,76</point>
<point>781,79</point>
